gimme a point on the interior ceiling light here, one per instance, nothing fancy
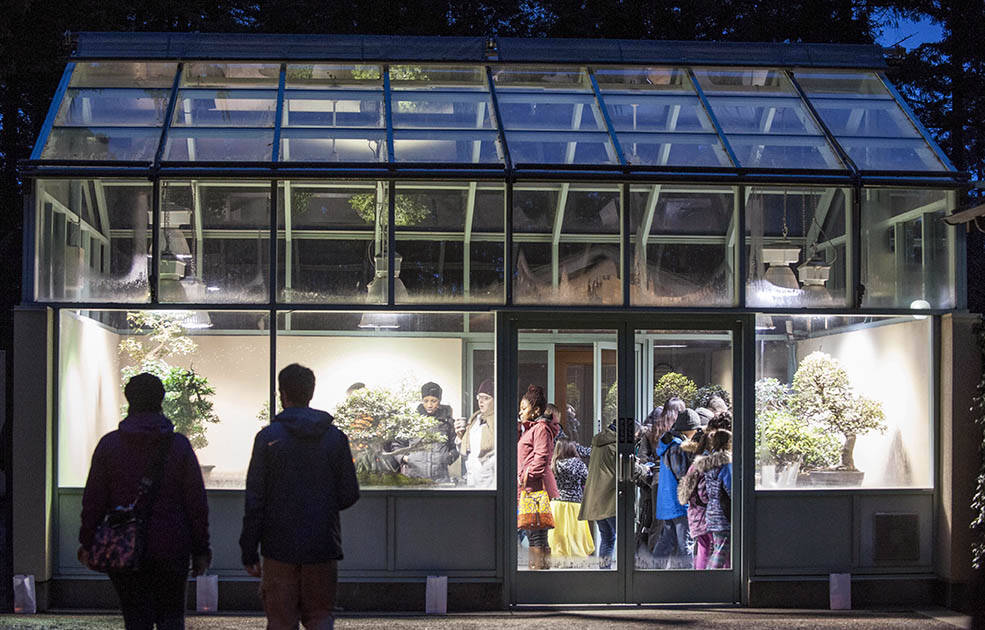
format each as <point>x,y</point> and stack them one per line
<point>778,259</point>
<point>814,275</point>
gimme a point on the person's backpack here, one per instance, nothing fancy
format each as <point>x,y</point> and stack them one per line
<point>724,499</point>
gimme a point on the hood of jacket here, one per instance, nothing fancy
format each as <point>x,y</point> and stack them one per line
<point>701,465</point>
<point>305,422</point>
<point>606,436</point>
<point>146,423</point>
<point>552,425</point>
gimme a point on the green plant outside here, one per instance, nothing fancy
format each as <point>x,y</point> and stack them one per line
<point>674,384</point>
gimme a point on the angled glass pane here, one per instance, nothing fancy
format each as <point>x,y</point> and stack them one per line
<point>766,151</point>
<point>842,84</point>
<point>333,108</point>
<point>93,240</point>
<point>330,234</point>
<point>532,147</point>
<point>768,115</point>
<point>415,77</point>
<point>225,108</point>
<point>223,145</point>
<point>102,143</point>
<point>333,75</point>
<point>654,79</point>
<point>682,244</point>
<point>214,241</point>
<point>643,111</point>
<point>892,155</point>
<point>865,118</point>
<point>531,78</point>
<point>673,149</point>
<point>451,242</point>
<point>332,145</point>
<point>107,106</point>
<point>567,244</point>
<point>230,75</point>
<point>796,246</point>
<point>442,109</point>
<point>124,74</point>
<point>538,111</point>
<point>748,81</point>
<point>475,147</point>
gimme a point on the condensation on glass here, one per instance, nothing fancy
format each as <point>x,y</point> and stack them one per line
<point>577,370</point>
<point>682,245</point>
<point>567,243</point>
<point>332,240</point>
<point>372,368</point>
<point>450,241</point>
<point>217,360</point>
<point>93,240</point>
<point>867,121</point>
<point>214,241</point>
<point>111,111</point>
<point>844,401</point>
<point>909,257</point>
<point>797,246</point>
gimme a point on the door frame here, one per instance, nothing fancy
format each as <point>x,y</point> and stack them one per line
<point>626,585</point>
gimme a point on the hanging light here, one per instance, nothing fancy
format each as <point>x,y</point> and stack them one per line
<point>778,260</point>
<point>376,294</point>
<point>815,274</point>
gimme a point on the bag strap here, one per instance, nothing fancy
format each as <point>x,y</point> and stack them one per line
<point>151,480</point>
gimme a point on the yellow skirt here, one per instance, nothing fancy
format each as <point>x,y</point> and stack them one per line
<point>570,537</point>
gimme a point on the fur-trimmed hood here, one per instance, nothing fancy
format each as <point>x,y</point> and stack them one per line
<point>701,465</point>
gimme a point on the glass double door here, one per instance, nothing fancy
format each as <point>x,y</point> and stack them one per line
<point>642,407</point>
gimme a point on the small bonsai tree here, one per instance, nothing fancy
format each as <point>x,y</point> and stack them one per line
<point>705,393</point>
<point>674,384</point>
<point>823,395</point>
<point>187,394</point>
<point>771,394</point>
<point>784,439</point>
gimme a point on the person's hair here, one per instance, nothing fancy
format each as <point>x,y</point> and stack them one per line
<point>563,449</point>
<point>535,396</point>
<point>354,387</point>
<point>721,440</point>
<point>551,411</point>
<point>297,383</point>
<point>722,420</point>
<point>717,404</point>
<point>144,392</point>
<point>672,408</point>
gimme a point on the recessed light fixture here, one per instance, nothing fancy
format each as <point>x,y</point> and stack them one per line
<point>670,345</point>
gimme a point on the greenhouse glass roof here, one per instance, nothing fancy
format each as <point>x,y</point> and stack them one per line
<point>154,100</point>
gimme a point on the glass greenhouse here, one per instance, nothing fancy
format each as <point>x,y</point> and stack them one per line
<point>620,222</point>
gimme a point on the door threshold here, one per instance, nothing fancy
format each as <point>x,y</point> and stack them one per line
<point>619,606</point>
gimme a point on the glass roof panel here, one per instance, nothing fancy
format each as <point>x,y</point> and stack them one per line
<point>537,111</point>
<point>649,79</point>
<point>332,145</point>
<point>673,149</point>
<point>551,78</point>
<point>651,112</point>
<point>124,74</point>
<point>559,147</point>
<point>225,108</point>
<point>333,108</point>
<point>98,143</point>
<point>333,75</point>
<point>107,106</point>
<point>452,147</point>
<point>408,77</point>
<point>230,75</point>
<point>770,115</point>
<point>767,151</point>
<point>442,110</point>
<point>751,81</point>
<point>890,154</point>
<point>842,84</point>
<point>856,117</point>
<point>219,145</point>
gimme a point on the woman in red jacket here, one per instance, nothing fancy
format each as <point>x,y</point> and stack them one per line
<point>533,455</point>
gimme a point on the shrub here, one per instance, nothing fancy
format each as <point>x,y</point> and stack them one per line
<point>674,384</point>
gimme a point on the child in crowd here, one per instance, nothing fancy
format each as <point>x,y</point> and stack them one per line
<point>707,490</point>
<point>570,537</point>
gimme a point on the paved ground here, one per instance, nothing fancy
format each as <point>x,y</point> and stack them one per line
<point>619,618</point>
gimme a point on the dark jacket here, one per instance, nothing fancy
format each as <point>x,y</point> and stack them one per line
<point>301,474</point>
<point>431,461</point>
<point>179,517</point>
<point>676,453</point>
<point>533,455</point>
<point>600,488</point>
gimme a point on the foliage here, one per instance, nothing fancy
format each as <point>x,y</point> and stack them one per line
<point>409,209</point>
<point>380,415</point>
<point>705,393</point>
<point>784,439</point>
<point>823,396</point>
<point>187,394</point>
<point>771,394</point>
<point>610,406</point>
<point>674,384</point>
<point>978,500</point>
<point>369,478</point>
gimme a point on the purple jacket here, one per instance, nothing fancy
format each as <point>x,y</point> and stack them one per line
<point>179,520</point>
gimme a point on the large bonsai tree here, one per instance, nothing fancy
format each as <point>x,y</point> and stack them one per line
<point>187,394</point>
<point>823,395</point>
<point>783,438</point>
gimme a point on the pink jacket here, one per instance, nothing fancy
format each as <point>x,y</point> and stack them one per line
<point>533,456</point>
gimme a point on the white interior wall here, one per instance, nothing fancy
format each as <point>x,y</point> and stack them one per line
<point>891,364</point>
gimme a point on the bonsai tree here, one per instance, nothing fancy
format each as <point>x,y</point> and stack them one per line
<point>823,395</point>
<point>771,394</point>
<point>187,394</point>
<point>784,439</point>
<point>705,393</point>
<point>674,384</point>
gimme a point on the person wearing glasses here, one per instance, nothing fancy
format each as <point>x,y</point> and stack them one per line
<point>476,439</point>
